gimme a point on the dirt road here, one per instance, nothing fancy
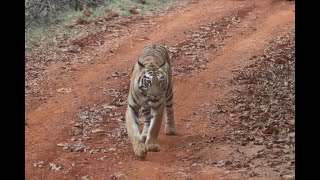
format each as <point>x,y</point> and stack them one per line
<point>78,131</point>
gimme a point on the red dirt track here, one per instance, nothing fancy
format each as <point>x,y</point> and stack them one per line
<point>185,156</point>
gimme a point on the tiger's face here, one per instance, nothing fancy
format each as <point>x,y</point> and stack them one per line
<point>153,84</point>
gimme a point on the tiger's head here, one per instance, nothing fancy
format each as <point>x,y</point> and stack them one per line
<point>152,82</point>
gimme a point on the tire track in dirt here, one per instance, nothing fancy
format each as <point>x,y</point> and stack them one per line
<point>55,116</point>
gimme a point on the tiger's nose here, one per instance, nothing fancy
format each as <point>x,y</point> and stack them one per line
<point>155,97</point>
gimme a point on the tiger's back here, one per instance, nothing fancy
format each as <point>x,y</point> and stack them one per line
<point>158,51</point>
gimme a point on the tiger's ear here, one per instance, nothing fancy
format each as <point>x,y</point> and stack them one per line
<point>140,64</point>
<point>163,64</point>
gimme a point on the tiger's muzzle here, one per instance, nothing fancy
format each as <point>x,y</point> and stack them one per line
<point>154,98</point>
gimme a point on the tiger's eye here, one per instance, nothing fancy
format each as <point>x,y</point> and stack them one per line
<point>162,82</point>
<point>148,82</point>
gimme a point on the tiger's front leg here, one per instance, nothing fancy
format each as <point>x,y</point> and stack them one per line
<point>146,113</point>
<point>155,124</point>
<point>137,141</point>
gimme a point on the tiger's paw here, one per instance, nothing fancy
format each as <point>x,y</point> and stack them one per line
<point>140,150</point>
<point>144,136</point>
<point>153,147</point>
<point>170,131</point>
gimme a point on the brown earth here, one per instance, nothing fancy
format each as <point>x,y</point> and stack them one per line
<point>208,39</point>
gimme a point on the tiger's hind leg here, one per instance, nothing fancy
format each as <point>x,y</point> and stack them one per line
<point>138,144</point>
<point>146,113</point>
<point>170,128</point>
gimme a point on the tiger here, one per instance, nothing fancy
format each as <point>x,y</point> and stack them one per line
<point>151,92</point>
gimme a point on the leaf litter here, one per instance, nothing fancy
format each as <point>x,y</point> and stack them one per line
<point>261,113</point>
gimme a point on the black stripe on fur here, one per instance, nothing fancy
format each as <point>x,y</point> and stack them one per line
<point>134,100</point>
<point>135,112</point>
<point>170,97</point>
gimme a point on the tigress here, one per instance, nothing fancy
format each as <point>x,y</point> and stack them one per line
<point>151,91</point>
